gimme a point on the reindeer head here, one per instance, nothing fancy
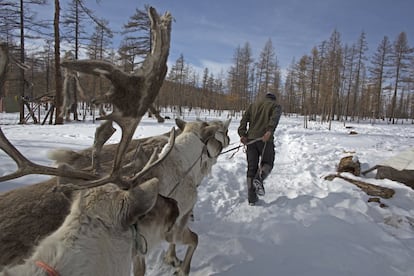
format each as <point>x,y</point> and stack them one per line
<point>116,208</point>
<point>213,134</point>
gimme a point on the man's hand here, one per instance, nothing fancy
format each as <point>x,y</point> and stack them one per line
<point>244,140</point>
<point>266,136</point>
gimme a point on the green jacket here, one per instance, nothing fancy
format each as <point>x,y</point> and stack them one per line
<point>261,116</point>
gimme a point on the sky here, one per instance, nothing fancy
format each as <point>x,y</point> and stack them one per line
<point>303,226</point>
<point>207,33</point>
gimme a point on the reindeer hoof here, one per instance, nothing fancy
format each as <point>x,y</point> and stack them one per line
<point>172,260</point>
<point>180,272</point>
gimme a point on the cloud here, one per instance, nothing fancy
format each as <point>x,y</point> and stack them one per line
<point>216,68</point>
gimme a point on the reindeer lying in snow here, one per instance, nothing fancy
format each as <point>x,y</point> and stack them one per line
<point>194,153</point>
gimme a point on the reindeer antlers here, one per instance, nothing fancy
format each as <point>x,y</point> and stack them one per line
<point>26,167</point>
<point>132,95</point>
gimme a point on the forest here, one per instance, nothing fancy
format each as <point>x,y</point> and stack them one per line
<point>332,82</point>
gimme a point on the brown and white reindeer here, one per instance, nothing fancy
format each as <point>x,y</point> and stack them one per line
<point>194,153</point>
<point>98,235</point>
<point>96,238</point>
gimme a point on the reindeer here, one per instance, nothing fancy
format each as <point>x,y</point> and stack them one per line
<point>103,207</point>
<point>97,237</point>
<point>195,151</point>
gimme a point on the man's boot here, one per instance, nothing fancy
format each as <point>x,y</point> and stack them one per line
<point>251,192</point>
<point>260,177</point>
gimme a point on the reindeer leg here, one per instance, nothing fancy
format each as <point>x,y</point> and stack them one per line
<point>170,256</point>
<point>139,265</point>
<point>183,235</point>
<point>191,239</point>
<point>102,134</point>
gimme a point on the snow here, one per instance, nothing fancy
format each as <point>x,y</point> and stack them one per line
<point>402,161</point>
<point>304,225</point>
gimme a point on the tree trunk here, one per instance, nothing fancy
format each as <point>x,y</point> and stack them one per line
<point>58,74</point>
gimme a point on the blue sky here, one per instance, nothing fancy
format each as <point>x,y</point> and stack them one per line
<point>208,32</point>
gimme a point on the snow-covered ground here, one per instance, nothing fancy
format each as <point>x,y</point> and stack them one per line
<point>304,225</point>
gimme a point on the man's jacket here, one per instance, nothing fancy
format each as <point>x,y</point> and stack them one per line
<point>262,115</point>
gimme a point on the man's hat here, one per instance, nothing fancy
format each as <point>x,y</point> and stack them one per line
<point>271,96</point>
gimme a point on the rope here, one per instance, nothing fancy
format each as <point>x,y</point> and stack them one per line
<point>239,146</point>
<point>188,171</point>
<point>50,271</point>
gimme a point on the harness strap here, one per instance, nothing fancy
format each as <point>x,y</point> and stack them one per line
<point>188,171</point>
<point>138,237</point>
<point>239,146</point>
<point>50,271</point>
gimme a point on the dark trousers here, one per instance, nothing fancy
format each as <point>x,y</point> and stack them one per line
<point>257,150</point>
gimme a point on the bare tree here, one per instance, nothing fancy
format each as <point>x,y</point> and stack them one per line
<point>240,76</point>
<point>179,74</point>
<point>379,63</point>
<point>401,57</point>
<point>313,96</point>
<point>361,48</point>
<point>334,64</point>
<point>303,85</point>
<point>73,20</point>
<point>265,66</point>
<point>19,22</point>
<point>9,13</point>
<point>58,74</point>
<point>137,42</point>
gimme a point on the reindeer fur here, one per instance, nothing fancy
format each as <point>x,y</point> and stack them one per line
<point>194,153</point>
<point>196,139</point>
<point>96,237</point>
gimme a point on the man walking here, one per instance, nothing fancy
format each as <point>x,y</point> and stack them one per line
<point>256,130</point>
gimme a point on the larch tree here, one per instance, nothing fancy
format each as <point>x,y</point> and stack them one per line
<point>313,91</point>
<point>58,74</point>
<point>378,69</point>
<point>303,86</point>
<point>349,79</point>
<point>240,77</point>
<point>98,49</point>
<point>73,20</point>
<point>265,68</point>
<point>334,64</point>
<point>137,41</point>
<point>178,75</point>
<point>20,23</point>
<point>361,48</point>
<point>401,57</point>
<point>74,34</point>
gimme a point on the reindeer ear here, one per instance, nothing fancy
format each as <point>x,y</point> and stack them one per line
<point>180,123</point>
<point>140,200</point>
<point>208,132</point>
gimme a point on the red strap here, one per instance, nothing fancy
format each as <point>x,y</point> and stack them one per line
<point>49,270</point>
